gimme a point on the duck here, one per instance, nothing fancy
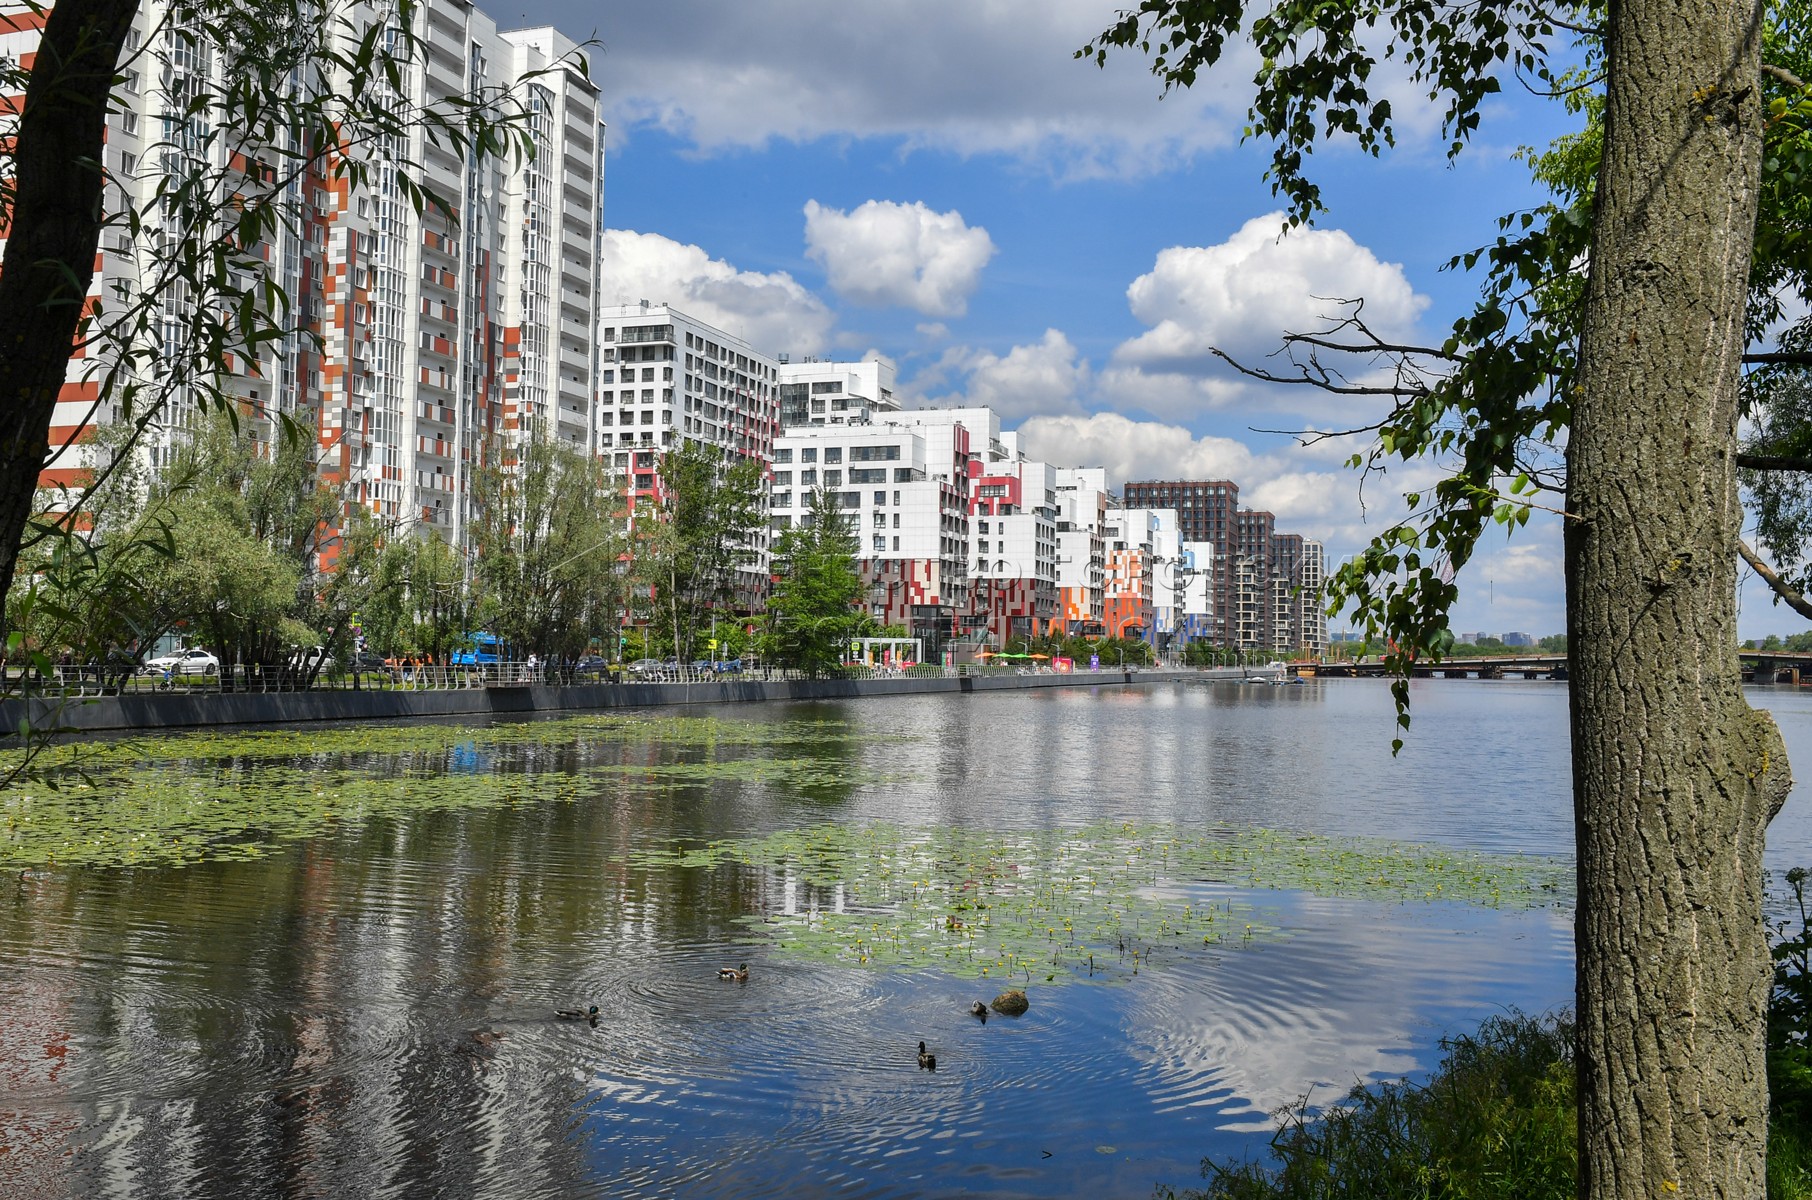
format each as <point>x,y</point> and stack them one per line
<point>927,1060</point>
<point>739,974</point>
<point>578,1014</point>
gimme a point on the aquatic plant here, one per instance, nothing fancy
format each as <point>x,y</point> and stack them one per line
<point>192,797</point>
<point>1098,902</point>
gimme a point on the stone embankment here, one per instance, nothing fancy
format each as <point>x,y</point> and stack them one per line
<point>162,711</point>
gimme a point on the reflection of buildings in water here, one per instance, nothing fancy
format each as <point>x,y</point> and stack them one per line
<point>38,1069</point>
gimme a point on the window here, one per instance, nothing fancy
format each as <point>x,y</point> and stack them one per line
<point>809,454</point>
<point>881,544</point>
<point>783,499</point>
<point>833,454</point>
<point>783,479</point>
<point>605,419</point>
<point>849,500</point>
<point>880,497</point>
<point>896,543</point>
<point>808,478</point>
<point>648,416</point>
<point>833,479</point>
<point>901,475</point>
<point>783,455</point>
<point>874,454</point>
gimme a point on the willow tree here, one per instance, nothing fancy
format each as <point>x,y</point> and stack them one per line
<point>1675,777</point>
<point>297,97</point>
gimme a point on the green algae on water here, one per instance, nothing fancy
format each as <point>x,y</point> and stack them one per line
<point>1098,902</point>
<point>193,797</point>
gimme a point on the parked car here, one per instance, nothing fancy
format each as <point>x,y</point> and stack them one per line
<point>649,668</point>
<point>590,667</point>
<point>365,662</point>
<point>184,662</point>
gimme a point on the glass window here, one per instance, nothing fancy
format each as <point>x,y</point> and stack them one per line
<point>809,454</point>
<point>833,454</point>
<point>784,455</point>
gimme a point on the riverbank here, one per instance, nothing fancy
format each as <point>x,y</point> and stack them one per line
<point>98,714</point>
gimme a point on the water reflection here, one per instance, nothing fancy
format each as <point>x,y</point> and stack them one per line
<point>369,1011</point>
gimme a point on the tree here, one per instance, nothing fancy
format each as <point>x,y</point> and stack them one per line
<point>548,539</point>
<point>813,612</point>
<point>297,97</point>
<point>1675,778</point>
<point>710,514</point>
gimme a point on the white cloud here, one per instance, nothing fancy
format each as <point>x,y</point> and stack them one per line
<point>1045,377</point>
<point>1239,297</point>
<point>883,254</point>
<point>773,312</point>
<point>1132,449</point>
<point>950,75</point>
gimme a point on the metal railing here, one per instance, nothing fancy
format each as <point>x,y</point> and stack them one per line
<point>76,682</point>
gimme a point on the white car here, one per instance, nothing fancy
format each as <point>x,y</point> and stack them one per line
<point>185,662</point>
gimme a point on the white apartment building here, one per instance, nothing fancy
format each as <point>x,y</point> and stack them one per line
<point>1146,567</point>
<point>665,377</point>
<point>1195,621</point>
<point>1012,549</point>
<point>906,491</point>
<point>419,337</point>
<point>814,392</point>
<point>1083,502</point>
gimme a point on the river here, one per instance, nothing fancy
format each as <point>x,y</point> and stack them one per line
<point>332,966</point>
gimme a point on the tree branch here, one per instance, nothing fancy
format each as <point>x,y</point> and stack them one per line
<point>1325,383</point>
<point>1786,591</point>
<point>1791,358</point>
<point>1773,462</point>
<point>1784,75</point>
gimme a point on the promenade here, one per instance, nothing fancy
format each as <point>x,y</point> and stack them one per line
<point>181,710</point>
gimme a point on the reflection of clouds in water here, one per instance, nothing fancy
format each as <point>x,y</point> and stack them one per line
<point>1341,1001</point>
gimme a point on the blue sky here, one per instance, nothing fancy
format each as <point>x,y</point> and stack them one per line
<point>943,184</point>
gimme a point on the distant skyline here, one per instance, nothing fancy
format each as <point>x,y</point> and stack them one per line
<point>945,185</point>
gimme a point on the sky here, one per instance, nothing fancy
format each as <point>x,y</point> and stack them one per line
<point>946,185</point>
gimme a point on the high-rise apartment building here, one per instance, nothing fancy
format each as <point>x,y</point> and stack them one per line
<point>420,338</point>
<point>817,392</point>
<point>905,489</point>
<point>1266,586</point>
<point>1083,502</point>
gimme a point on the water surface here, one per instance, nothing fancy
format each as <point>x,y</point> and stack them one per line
<point>366,1010</point>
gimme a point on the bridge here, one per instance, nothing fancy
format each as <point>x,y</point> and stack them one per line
<point>1758,667</point>
<point>1526,666</point>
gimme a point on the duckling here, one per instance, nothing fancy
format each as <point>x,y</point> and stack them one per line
<point>979,1010</point>
<point>739,974</point>
<point>575,1014</point>
<point>927,1060</point>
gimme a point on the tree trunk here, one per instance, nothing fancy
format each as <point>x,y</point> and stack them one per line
<point>1675,777</point>
<point>52,236</point>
